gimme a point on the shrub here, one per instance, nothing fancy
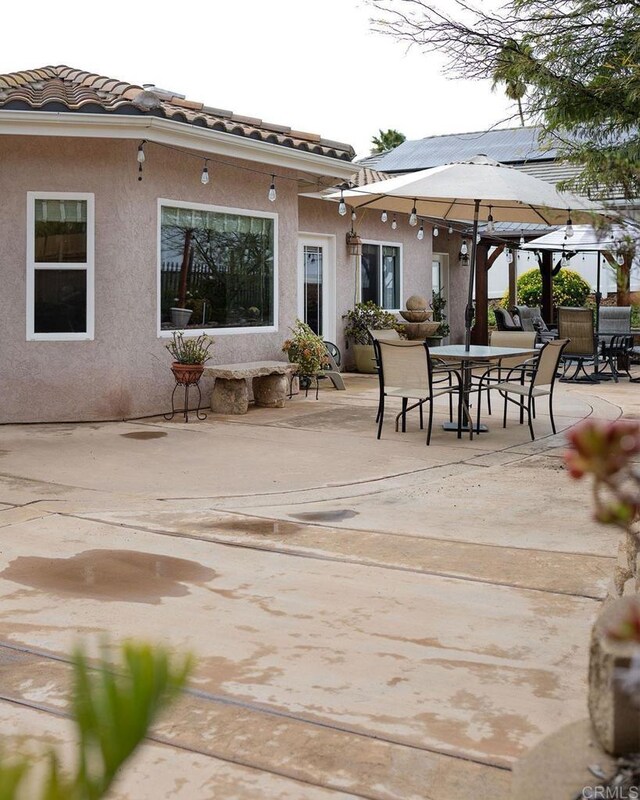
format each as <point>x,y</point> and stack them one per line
<point>569,289</point>
<point>364,316</point>
<point>306,349</point>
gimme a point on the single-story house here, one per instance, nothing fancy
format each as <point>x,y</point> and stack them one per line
<point>122,202</point>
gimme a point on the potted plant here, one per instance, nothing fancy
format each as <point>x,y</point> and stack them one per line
<point>189,356</point>
<point>364,317</point>
<point>307,350</point>
<point>438,305</point>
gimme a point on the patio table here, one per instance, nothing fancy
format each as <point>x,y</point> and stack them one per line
<point>475,355</point>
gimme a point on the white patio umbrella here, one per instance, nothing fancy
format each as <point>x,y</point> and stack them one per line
<point>470,191</point>
<point>586,239</point>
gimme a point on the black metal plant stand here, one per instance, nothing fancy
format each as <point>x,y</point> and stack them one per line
<point>185,410</point>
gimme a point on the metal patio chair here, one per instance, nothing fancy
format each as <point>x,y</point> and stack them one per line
<point>577,325</point>
<point>530,381</point>
<point>406,371</point>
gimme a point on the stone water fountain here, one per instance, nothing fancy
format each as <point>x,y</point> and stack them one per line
<point>418,324</point>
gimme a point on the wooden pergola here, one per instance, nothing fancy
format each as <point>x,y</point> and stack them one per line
<point>484,262</point>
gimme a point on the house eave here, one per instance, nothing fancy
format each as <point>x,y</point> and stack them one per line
<point>170,132</point>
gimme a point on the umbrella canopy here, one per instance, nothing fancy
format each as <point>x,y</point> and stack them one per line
<point>450,192</point>
<point>471,191</point>
<point>585,239</point>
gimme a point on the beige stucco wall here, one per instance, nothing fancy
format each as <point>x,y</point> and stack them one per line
<point>124,371</point>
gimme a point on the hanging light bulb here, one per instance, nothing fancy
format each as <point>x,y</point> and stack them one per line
<point>384,216</point>
<point>509,256</point>
<point>436,232</point>
<point>141,158</point>
<point>394,224</point>
<point>450,230</point>
<point>420,233</point>
<point>353,215</point>
<point>413,217</point>
<point>490,224</point>
<point>569,230</point>
<point>342,207</point>
<point>478,238</point>
<point>463,248</point>
<point>620,258</point>
<point>522,242</point>
<point>564,261</point>
<point>204,178</point>
<point>272,189</point>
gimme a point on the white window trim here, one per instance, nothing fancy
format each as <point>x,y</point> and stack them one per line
<point>242,212</point>
<point>382,244</point>
<point>88,267</point>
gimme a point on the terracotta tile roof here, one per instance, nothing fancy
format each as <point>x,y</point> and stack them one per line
<point>66,89</point>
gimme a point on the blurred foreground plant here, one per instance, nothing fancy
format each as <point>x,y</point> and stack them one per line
<point>112,713</point>
<point>605,451</point>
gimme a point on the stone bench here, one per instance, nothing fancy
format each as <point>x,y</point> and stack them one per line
<point>270,383</point>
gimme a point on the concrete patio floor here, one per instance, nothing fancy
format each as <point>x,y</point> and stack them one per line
<point>375,619</point>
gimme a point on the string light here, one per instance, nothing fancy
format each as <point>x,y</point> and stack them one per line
<point>394,224</point>
<point>464,250</point>
<point>620,258</point>
<point>384,216</point>
<point>450,229</point>
<point>569,230</point>
<point>353,215</point>
<point>342,207</point>
<point>522,242</point>
<point>420,233</point>
<point>564,261</point>
<point>509,256</point>
<point>436,232</point>
<point>490,224</point>
<point>272,189</point>
<point>204,178</point>
<point>141,158</point>
<point>413,217</point>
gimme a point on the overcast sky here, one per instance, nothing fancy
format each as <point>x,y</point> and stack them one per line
<point>314,66</point>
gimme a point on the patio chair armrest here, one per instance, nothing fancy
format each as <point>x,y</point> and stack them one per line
<point>523,368</point>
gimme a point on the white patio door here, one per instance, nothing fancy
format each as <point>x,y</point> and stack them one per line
<point>317,283</point>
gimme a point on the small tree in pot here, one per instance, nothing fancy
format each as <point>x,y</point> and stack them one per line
<point>364,317</point>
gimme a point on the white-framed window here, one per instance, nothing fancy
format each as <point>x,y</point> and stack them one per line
<point>381,274</point>
<point>217,269</point>
<point>60,266</point>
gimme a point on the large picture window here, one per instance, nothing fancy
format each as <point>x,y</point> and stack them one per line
<point>217,269</point>
<point>381,275</point>
<point>60,277</point>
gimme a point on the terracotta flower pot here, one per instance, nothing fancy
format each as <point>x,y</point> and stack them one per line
<point>187,374</point>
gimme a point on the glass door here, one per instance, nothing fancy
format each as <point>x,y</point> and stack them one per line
<point>317,283</point>
<point>312,263</point>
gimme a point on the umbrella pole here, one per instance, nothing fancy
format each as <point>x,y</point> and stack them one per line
<point>598,301</point>
<point>468,314</point>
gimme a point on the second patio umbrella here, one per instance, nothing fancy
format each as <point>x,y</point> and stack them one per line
<point>479,190</point>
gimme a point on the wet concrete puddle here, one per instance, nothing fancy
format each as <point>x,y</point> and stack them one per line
<point>110,575</point>
<point>143,435</point>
